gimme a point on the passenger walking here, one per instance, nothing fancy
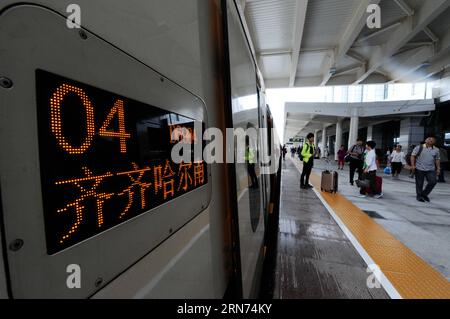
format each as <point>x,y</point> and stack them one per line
<point>370,171</point>
<point>307,154</point>
<point>299,150</point>
<point>397,159</point>
<point>356,159</point>
<point>284,150</point>
<point>388,156</point>
<point>341,156</point>
<point>444,160</point>
<point>425,160</point>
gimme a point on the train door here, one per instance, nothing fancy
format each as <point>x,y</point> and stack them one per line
<point>249,185</point>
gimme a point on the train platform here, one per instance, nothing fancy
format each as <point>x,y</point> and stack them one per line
<point>329,244</point>
<point>422,227</point>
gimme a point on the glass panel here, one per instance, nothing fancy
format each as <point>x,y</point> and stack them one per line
<point>248,172</point>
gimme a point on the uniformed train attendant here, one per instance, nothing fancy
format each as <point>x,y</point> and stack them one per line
<point>307,154</point>
<point>250,160</point>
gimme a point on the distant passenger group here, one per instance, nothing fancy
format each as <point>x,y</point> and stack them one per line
<point>424,162</point>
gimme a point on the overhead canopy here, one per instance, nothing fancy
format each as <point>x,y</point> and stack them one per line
<point>327,42</point>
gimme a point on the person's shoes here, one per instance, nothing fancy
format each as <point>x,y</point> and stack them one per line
<point>426,198</point>
<point>351,183</point>
<point>420,199</point>
<point>378,196</point>
<point>440,181</point>
<point>303,187</point>
<point>362,196</point>
<point>309,186</point>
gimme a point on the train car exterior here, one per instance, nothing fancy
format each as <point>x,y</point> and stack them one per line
<point>137,68</point>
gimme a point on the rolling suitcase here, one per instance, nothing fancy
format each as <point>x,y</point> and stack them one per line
<point>329,181</point>
<point>379,185</point>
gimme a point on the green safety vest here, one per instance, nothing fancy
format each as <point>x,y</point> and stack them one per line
<point>249,155</point>
<point>306,152</point>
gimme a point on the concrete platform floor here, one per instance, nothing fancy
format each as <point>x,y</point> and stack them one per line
<point>314,259</point>
<point>422,227</point>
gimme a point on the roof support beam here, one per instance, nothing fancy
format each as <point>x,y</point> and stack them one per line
<point>437,67</point>
<point>412,64</point>
<point>328,70</point>
<point>441,59</point>
<point>403,34</point>
<point>378,32</point>
<point>405,7</point>
<point>355,56</point>
<point>348,69</point>
<point>353,29</point>
<point>431,34</point>
<point>299,24</point>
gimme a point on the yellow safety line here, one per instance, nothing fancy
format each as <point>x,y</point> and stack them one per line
<point>410,275</point>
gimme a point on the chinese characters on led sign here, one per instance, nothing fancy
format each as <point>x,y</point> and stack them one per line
<point>105,159</point>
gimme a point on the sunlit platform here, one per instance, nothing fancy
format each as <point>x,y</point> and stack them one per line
<point>407,240</point>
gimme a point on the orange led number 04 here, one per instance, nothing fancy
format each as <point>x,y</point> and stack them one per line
<point>56,121</point>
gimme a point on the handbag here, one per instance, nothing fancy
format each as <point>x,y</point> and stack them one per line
<point>348,158</point>
<point>364,183</point>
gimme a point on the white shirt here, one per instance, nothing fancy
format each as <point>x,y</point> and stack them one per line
<point>398,157</point>
<point>371,161</point>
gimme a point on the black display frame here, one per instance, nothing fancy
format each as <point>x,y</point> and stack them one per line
<point>146,152</point>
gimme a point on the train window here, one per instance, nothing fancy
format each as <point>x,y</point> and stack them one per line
<point>105,159</point>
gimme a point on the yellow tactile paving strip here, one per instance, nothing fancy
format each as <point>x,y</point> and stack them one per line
<point>410,275</point>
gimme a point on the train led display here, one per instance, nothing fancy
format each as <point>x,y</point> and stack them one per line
<point>105,158</point>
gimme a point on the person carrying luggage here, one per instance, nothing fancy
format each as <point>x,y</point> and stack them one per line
<point>370,171</point>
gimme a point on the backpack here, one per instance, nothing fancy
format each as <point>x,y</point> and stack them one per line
<point>300,154</point>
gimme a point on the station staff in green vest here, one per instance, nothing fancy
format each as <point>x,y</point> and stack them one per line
<point>307,155</point>
<point>249,157</point>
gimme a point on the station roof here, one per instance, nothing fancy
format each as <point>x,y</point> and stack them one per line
<point>302,43</point>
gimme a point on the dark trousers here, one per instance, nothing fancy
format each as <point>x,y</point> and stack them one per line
<point>430,176</point>
<point>371,177</point>
<point>307,167</point>
<point>252,174</point>
<point>396,168</point>
<point>355,165</point>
